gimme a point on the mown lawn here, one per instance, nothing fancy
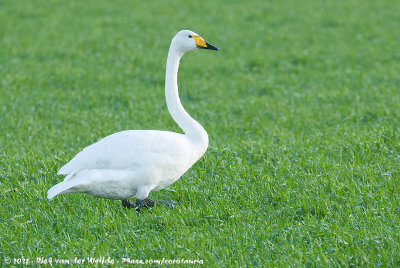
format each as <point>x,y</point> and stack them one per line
<point>302,107</point>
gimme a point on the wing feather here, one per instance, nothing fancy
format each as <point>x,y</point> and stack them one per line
<point>126,149</point>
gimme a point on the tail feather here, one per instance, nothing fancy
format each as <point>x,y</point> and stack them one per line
<point>57,189</point>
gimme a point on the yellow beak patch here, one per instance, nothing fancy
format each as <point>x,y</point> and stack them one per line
<point>199,41</point>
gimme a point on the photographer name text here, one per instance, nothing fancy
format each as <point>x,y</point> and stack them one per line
<point>95,261</point>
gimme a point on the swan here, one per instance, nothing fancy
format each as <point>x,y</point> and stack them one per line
<point>133,163</point>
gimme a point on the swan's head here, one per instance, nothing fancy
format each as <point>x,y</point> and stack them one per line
<point>186,40</point>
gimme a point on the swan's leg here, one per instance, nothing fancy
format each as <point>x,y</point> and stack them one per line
<point>128,204</point>
<point>143,202</point>
<point>138,204</point>
<point>147,203</point>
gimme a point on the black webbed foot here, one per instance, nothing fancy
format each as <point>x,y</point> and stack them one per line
<point>146,203</point>
<point>128,204</point>
<point>138,204</point>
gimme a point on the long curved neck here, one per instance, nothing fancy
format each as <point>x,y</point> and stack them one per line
<point>193,130</point>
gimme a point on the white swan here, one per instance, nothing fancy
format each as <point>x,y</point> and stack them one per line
<point>136,162</point>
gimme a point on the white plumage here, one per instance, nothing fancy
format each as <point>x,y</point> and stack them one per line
<point>135,162</point>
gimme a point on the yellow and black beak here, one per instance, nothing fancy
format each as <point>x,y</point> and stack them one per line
<point>201,43</point>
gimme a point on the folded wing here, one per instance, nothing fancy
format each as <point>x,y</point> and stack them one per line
<point>127,149</point>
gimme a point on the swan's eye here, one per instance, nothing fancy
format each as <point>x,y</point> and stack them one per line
<point>190,36</point>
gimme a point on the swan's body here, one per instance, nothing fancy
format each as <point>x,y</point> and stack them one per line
<point>136,162</point>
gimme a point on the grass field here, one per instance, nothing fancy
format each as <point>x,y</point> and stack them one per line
<point>302,107</point>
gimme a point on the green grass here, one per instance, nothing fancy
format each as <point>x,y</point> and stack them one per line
<point>301,106</point>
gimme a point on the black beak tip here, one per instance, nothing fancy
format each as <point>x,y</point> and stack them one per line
<point>211,47</point>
